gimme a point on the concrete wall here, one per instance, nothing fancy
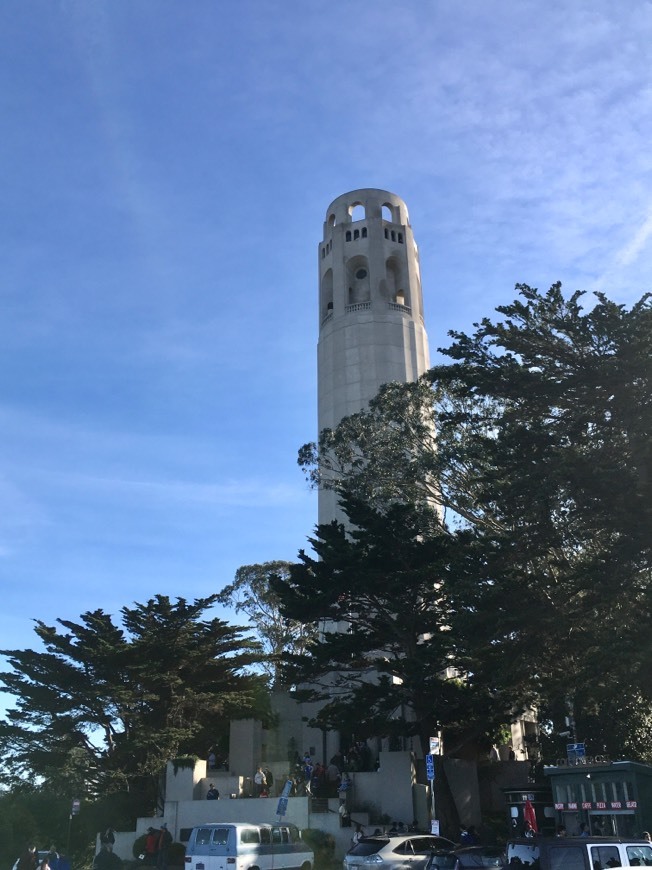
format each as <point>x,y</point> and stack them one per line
<point>463,781</point>
<point>245,742</point>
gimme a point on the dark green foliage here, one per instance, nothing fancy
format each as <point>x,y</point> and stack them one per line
<point>543,458</point>
<point>397,666</point>
<point>252,594</point>
<point>103,706</point>
<point>322,844</point>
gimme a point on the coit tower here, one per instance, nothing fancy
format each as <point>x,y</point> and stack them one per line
<point>371,328</point>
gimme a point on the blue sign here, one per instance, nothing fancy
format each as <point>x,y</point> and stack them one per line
<point>282,807</point>
<point>430,766</point>
<point>576,752</point>
<point>287,788</point>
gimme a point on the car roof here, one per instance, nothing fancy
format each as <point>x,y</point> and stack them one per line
<point>535,841</point>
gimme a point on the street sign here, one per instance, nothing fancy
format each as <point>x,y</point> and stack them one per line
<point>282,807</point>
<point>287,788</point>
<point>430,766</point>
<point>74,811</point>
<point>435,746</point>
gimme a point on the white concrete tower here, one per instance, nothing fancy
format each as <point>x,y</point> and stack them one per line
<point>371,328</point>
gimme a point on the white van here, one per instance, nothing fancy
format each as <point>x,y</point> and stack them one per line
<point>243,846</point>
<point>578,853</point>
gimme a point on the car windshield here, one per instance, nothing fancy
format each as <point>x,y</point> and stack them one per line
<point>482,858</point>
<point>368,846</point>
<point>442,861</point>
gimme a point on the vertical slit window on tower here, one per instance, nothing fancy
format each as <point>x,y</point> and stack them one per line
<point>393,236</point>
<point>323,253</point>
<point>356,234</point>
<point>400,238</point>
<point>348,235</point>
<point>386,233</point>
<point>364,232</point>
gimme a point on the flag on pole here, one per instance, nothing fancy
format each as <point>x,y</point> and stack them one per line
<point>530,816</point>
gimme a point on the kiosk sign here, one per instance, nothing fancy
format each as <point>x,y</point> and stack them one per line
<point>575,752</point>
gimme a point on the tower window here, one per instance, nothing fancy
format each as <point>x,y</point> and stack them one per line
<point>386,233</point>
<point>393,236</point>
<point>400,238</point>
<point>356,234</point>
<point>323,253</point>
<point>360,274</point>
<point>364,232</point>
<point>348,235</point>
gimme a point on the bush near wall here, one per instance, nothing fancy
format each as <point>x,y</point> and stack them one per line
<point>322,844</point>
<point>176,851</point>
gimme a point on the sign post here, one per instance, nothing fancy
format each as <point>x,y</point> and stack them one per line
<point>74,811</point>
<point>430,774</point>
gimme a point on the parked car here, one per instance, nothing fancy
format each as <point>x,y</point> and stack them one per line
<point>469,857</point>
<point>223,845</point>
<point>392,852</point>
<point>579,853</point>
<point>442,859</point>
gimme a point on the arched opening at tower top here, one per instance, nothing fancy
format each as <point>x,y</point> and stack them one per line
<point>357,211</point>
<point>388,213</point>
<point>397,283</point>
<point>326,303</point>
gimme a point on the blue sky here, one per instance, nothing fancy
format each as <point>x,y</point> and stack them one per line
<point>166,168</point>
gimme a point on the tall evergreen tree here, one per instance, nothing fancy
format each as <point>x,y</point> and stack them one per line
<point>543,447</point>
<point>111,704</point>
<point>390,661</point>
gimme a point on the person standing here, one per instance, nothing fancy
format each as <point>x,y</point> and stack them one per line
<point>53,858</point>
<point>212,794</point>
<point>259,782</point>
<point>29,859</point>
<point>164,843</point>
<point>151,847</point>
<point>108,839</point>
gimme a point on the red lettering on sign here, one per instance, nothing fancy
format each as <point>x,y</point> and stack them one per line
<point>632,805</point>
<point>587,805</point>
<point>559,806</point>
<point>601,805</point>
<point>616,805</point>
<point>572,806</point>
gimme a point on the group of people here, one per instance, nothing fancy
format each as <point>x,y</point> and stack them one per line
<point>29,860</point>
<point>157,844</point>
<point>321,780</point>
<point>263,782</point>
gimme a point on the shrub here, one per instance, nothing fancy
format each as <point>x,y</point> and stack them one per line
<point>321,843</point>
<point>139,846</point>
<point>176,851</point>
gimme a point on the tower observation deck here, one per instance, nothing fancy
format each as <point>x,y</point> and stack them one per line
<point>371,327</point>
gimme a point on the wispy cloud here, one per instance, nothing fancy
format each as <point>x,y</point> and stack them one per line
<point>637,243</point>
